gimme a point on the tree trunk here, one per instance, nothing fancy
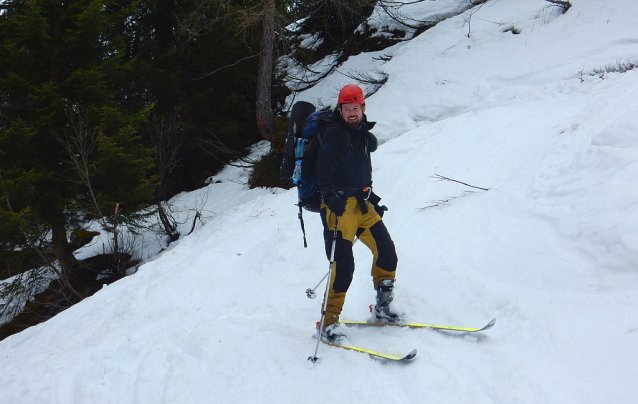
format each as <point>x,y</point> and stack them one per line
<point>64,254</point>
<point>265,115</point>
<point>169,229</point>
<point>62,248</point>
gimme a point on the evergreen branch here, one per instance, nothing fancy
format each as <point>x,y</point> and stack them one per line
<point>48,263</point>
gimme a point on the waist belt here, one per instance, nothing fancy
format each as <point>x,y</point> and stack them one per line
<point>362,195</point>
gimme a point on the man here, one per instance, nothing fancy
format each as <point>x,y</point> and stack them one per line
<point>344,176</point>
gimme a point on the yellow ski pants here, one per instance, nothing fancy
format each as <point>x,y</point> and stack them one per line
<point>369,228</point>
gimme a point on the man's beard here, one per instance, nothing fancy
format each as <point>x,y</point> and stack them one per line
<point>354,124</point>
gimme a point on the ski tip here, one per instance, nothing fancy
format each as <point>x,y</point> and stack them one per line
<point>489,325</point>
<point>409,356</point>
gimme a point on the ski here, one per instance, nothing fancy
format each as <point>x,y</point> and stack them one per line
<point>417,325</point>
<point>375,354</point>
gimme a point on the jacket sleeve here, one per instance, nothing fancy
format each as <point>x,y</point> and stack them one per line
<point>373,143</point>
<point>331,145</point>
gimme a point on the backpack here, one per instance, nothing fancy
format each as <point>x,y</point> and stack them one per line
<point>299,161</point>
<point>298,115</point>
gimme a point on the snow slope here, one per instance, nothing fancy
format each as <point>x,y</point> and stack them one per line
<point>550,249</point>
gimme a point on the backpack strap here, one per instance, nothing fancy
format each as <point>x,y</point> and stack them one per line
<point>300,215</point>
<point>303,228</point>
<point>322,147</point>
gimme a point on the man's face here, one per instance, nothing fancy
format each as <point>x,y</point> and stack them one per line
<point>353,114</point>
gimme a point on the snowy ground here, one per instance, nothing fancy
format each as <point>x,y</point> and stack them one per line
<point>550,249</point>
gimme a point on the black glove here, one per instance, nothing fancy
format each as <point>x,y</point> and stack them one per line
<point>337,204</point>
<point>374,199</point>
<point>380,209</point>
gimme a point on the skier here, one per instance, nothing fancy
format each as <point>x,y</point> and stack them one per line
<point>344,177</point>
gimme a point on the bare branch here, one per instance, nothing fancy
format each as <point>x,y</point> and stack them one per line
<point>383,58</point>
<point>228,66</point>
<point>375,76</point>
<point>198,215</point>
<point>442,202</point>
<point>79,143</point>
<point>562,3</point>
<point>218,147</point>
<point>442,178</point>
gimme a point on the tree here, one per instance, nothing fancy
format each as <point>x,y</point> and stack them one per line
<point>62,68</point>
<point>265,114</point>
<point>202,81</point>
<point>259,26</point>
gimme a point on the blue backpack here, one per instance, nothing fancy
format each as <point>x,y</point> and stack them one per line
<point>299,163</point>
<point>308,146</point>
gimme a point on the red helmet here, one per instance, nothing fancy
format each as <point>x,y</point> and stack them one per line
<point>351,93</point>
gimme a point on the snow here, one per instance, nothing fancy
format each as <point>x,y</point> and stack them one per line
<point>402,16</point>
<point>550,248</point>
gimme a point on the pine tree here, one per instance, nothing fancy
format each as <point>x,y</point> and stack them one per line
<point>70,144</point>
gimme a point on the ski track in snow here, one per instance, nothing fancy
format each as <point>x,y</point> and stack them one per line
<point>550,249</point>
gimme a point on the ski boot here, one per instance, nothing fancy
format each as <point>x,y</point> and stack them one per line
<point>333,333</point>
<point>381,313</point>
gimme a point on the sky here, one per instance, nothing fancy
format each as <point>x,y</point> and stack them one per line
<point>541,128</point>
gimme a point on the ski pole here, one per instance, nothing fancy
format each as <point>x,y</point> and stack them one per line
<point>311,292</point>
<point>314,358</point>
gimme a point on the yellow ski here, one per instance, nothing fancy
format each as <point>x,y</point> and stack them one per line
<point>417,325</point>
<point>405,358</point>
